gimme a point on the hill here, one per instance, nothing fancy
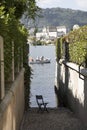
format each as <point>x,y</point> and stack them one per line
<point>60,16</point>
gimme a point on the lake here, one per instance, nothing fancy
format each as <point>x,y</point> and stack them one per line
<point>43,76</point>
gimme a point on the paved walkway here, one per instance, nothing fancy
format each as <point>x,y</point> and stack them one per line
<point>56,119</point>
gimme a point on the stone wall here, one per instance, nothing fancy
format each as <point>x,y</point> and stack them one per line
<point>72,84</point>
<point>12,106</point>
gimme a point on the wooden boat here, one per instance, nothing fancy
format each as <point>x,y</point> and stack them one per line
<point>40,61</point>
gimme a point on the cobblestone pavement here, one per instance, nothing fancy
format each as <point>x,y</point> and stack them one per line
<point>56,119</point>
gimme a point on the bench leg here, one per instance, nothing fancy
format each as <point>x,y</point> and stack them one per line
<point>40,109</point>
<point>45,108</point>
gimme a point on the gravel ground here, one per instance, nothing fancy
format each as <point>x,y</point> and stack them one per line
<point>56,119</point>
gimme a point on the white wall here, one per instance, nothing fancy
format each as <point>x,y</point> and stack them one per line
<point>74,84</point>
<point>61,29</point>
<point>53,34</point>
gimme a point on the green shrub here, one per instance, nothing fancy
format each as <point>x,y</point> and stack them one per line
<point>59,49</point>
<point>77,46</point>
<point>12,32</point>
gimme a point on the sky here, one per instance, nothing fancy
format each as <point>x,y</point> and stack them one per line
<point>72,4</point>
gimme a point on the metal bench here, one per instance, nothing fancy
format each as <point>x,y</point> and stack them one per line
<point>41,104</point>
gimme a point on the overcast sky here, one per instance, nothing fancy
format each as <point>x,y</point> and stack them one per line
<point>72,4</point>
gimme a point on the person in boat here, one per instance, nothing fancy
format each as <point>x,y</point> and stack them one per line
<point>37,59</point>
<point>42,58</point>
<point>31,59</point>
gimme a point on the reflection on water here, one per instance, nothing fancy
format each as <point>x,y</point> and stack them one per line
<point>43,76</point>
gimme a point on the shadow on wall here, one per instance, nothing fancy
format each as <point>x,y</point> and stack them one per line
<point>62,88</point>
<point>61,97</point>
<point>67,99</point>
<point>78,108</point>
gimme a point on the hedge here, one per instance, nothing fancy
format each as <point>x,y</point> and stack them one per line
<point>77,40</point>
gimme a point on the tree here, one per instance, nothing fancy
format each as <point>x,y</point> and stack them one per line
<point>15,33</point>
<point>21,6</point>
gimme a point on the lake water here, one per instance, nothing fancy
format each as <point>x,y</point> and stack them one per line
<point>43,76</point>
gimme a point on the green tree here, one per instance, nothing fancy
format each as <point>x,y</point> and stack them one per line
<point>13,31</point>
<point>21,6</point>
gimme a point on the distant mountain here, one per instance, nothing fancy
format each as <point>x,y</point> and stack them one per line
<point>59,17</point>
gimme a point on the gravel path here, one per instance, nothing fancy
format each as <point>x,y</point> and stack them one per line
<point>56,119</point>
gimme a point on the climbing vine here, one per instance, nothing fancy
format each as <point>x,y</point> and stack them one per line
<point>78,45</point>
<point>15,36</point>
<point>77,40</point>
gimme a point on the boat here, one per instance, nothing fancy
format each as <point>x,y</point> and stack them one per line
<point>41,60</point>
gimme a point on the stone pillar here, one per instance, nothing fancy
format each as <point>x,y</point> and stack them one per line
<point>2,86</point>
<point>21,58</point>
<point>13,61</point>
<point>18,70</point>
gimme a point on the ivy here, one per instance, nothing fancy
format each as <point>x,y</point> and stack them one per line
<point>58,49</point>
<point>77,45</point>
<point>15,36</point>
